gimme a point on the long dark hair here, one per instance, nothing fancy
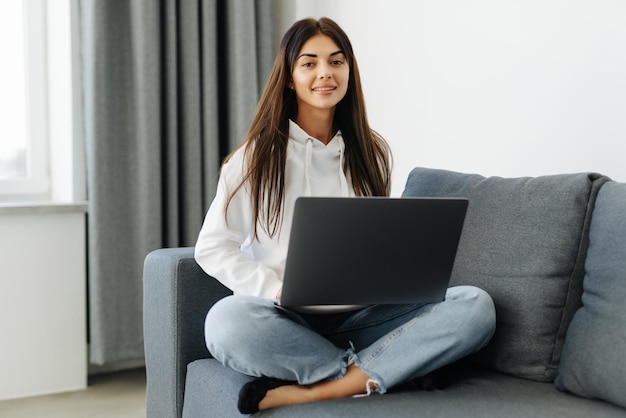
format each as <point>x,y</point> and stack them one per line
<point>367,154</point>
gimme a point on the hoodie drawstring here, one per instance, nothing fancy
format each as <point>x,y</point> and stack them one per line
<point>307,163</point>
<point>342,175</point>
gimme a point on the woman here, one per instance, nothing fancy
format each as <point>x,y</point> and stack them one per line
<point>310,136</point>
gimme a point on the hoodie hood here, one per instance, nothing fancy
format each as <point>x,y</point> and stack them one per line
<point>321,165</point>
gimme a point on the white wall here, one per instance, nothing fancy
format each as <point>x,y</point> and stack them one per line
<point>508,88</point>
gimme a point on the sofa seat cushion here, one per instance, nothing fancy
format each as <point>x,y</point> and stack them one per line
<point>524,242</point>
<point>594,356</point>
<point>212,390</point>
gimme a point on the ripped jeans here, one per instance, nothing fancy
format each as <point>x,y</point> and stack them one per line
<point>390,343</point>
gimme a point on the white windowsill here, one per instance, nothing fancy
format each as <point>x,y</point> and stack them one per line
<point>21,208</point>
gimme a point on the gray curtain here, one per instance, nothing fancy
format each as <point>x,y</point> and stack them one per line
<point>169,88</point>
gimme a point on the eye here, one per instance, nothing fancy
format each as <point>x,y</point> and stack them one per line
<point>307,65</point>
<point>337,62</point>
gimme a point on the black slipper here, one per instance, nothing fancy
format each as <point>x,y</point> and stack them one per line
<point>254,391</point>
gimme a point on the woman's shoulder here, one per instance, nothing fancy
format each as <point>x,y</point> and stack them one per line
<point>236,157</point>
<point>233,168</point>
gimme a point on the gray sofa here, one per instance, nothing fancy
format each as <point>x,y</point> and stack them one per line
<point>550,250</point>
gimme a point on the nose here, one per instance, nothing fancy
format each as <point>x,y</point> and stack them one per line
<point>324,73</point>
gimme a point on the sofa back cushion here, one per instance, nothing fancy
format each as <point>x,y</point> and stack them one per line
<point>524,242</point>
<point>594,357</point>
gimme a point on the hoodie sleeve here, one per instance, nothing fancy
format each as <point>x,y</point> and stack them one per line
<point>218,250</point>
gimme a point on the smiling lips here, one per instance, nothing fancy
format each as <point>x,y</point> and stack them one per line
<point>324,89</point>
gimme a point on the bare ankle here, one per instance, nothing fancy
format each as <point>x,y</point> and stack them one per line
<point>287,395</point>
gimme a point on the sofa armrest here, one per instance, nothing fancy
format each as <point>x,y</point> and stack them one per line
<point>177,296</point>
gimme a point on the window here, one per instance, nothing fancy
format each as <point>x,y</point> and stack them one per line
<point>13,83</point>
<point>38,148</point>
<point>23,109</point>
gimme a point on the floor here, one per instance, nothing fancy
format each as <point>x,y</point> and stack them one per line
<point>119,395</point>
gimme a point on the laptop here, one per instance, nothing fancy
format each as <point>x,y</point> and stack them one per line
<point>371,250</point>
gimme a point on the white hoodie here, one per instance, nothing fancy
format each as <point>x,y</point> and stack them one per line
<point>229,252</point>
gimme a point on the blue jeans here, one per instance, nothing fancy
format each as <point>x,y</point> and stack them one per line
<point>390,343</point>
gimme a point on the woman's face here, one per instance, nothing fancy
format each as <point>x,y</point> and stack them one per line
<point>320,75</point>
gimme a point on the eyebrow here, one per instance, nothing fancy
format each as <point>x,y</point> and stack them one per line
<point>315,55</point>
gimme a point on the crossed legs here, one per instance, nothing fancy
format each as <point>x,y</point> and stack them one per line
<point>332,356</point>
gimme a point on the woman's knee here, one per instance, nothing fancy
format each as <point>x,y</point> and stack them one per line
<point>484,316</point>
<point>231,320</point>
<point>480,313</point>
